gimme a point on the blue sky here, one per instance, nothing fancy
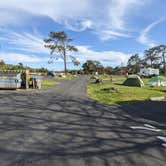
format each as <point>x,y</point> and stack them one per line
<point>105,30</point>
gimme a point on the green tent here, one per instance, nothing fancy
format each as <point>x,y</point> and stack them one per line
<point>157,81</point>
<point>133,80</point>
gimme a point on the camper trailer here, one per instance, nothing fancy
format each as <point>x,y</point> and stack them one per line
<point>148,72</point>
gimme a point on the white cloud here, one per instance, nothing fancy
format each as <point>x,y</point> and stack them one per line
<point>98,15</point>
<point>119,9</point>
<point>144,39</point>
<point>109,34</point>
<point>8,17</point>
<point>16,58</point>
<point>30,43</point>
<point>112,58</point>
<point>78,26</point>
<point>33,44</point>
<point>30,47</point>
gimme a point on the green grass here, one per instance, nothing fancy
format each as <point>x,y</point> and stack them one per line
<point>125,94</point>
<point>48,83</point>
<point>68,77</point>
<point>114,78</point>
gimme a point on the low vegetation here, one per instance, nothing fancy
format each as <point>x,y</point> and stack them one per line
<point>48,83</point>
<point>20,66</point>
<point>116,93</point>
<point>67,77</point>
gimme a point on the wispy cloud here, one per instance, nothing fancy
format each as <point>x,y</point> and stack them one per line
<point>29,47</point>
<point>119,9</point>
<point>32,49</point>
<point>78,25</point>
<point>29,43</point>
<point>113,58</point>
<point>108,17</point>
<point>144,38</point>
<point>110,34</point>
<point>16,58</point>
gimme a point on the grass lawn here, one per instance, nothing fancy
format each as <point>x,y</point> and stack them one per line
<point>48,83</point>
<point>68,77</point>
<point>125,93</point>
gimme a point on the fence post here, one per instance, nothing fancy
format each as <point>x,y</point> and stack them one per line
<point>27,79</point>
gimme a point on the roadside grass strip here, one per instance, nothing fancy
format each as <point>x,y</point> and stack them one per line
<point>48,83</point>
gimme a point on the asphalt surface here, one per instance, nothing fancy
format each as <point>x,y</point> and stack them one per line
<point>61,126</point>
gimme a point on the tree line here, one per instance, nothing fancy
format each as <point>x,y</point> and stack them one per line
<point>60,47</point>
<point>154,57</point>
<point>20,66</point>
<point>91,67</point>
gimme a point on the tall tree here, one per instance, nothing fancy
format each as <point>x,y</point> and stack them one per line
<point>59,43</point>
<point>164,61</point>
<point>134,64</point>
<point>161,54</point>
<point>151,56</point>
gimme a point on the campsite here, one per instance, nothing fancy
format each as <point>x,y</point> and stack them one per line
<point>63,122</point>
<point>82,83</point>
<point>126,93</point>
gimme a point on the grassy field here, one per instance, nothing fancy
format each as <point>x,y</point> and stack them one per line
<point>125,93</point>
<point>48,83</point>
<point>68,77</point>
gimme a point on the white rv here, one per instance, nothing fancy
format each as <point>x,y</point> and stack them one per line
<point>147,72</point>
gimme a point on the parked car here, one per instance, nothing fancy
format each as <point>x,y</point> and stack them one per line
<point>50,74</point>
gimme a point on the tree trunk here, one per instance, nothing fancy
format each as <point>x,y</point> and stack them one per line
<point>65,66</point>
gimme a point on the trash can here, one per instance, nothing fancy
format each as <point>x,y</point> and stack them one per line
<point>35,83</point>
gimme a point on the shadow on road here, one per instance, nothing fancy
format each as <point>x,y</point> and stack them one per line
<point>43,129</point>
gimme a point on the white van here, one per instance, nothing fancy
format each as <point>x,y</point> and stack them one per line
<point>147,72</point>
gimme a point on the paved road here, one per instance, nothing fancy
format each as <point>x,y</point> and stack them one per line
<point>61,126</point>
